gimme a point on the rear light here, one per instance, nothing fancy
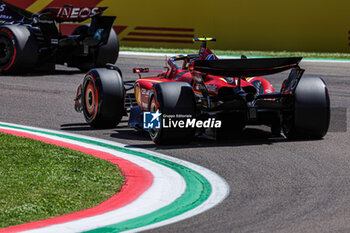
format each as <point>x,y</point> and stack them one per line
<point>141,70</point>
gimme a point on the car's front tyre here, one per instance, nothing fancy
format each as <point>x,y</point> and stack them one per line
<point>103,97</point>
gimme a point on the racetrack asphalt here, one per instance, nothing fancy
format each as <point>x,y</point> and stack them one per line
<point>276,185</point>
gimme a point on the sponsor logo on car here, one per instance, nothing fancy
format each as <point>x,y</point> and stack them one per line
<point>7,17</point>
<point>2,7</point>
<point>71,13</point>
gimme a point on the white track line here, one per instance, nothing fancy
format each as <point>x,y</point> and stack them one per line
<point>162,192</point>
<point>168,185</point>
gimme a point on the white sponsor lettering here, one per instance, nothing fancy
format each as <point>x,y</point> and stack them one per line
<point>2,7</point>
<point>84,13</point>
<point>7,17</point>
<point>94,11</point>
<point>64,12</point>
<point>74,13</point>
<point>145,105</point>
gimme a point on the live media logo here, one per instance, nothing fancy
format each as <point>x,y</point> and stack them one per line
<point>152,120</point>
<point>155,120</point>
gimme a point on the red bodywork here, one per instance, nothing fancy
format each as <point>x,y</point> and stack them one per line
<point>185,73</point>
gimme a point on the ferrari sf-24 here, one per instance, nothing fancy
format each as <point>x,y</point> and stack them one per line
<point>223,95</point>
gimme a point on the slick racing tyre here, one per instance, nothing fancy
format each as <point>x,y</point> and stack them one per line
<point>100,56</point>
<point>103,98</point>
<point>172,98</point>
<point>311,114</point>
<point>109,52</point>
<point>18,49</point>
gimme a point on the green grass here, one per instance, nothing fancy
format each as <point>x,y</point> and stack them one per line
<point>340,56</point>
<point>40,181</point>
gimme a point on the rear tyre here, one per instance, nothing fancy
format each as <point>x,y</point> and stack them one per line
<point>103,98</point>
<point>98,57</point>
<point>109,52</point>
<point>18,49</point>
<point>311,114</point>
<point>172,98</point>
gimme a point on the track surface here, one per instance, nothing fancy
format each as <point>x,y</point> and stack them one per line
<point>276,185</point>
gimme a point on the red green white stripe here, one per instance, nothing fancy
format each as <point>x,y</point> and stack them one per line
<point>179,189</point>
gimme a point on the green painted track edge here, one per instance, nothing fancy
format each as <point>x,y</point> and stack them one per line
<point>198,189</point>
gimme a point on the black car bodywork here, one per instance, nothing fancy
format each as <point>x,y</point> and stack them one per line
<point>35,41</point>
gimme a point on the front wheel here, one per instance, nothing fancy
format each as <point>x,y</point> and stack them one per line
<point>103,98</point>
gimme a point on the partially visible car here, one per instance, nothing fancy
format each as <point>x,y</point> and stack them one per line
<point>34,41</point>
<point>201,87</point>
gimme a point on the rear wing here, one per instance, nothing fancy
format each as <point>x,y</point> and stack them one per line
<point>11,13</point>
<point>246,67</point>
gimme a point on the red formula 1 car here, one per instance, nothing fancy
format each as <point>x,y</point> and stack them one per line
<point>201,94</point>
<point>35,41</point>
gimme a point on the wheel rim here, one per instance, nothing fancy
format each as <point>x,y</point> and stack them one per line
<point>90,102</point>
<point>90,98</point>
<point>153,108</point>
<point>6,50</point>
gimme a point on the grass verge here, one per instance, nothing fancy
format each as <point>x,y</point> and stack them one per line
<point>40,181</point>
<point>340,56</point>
